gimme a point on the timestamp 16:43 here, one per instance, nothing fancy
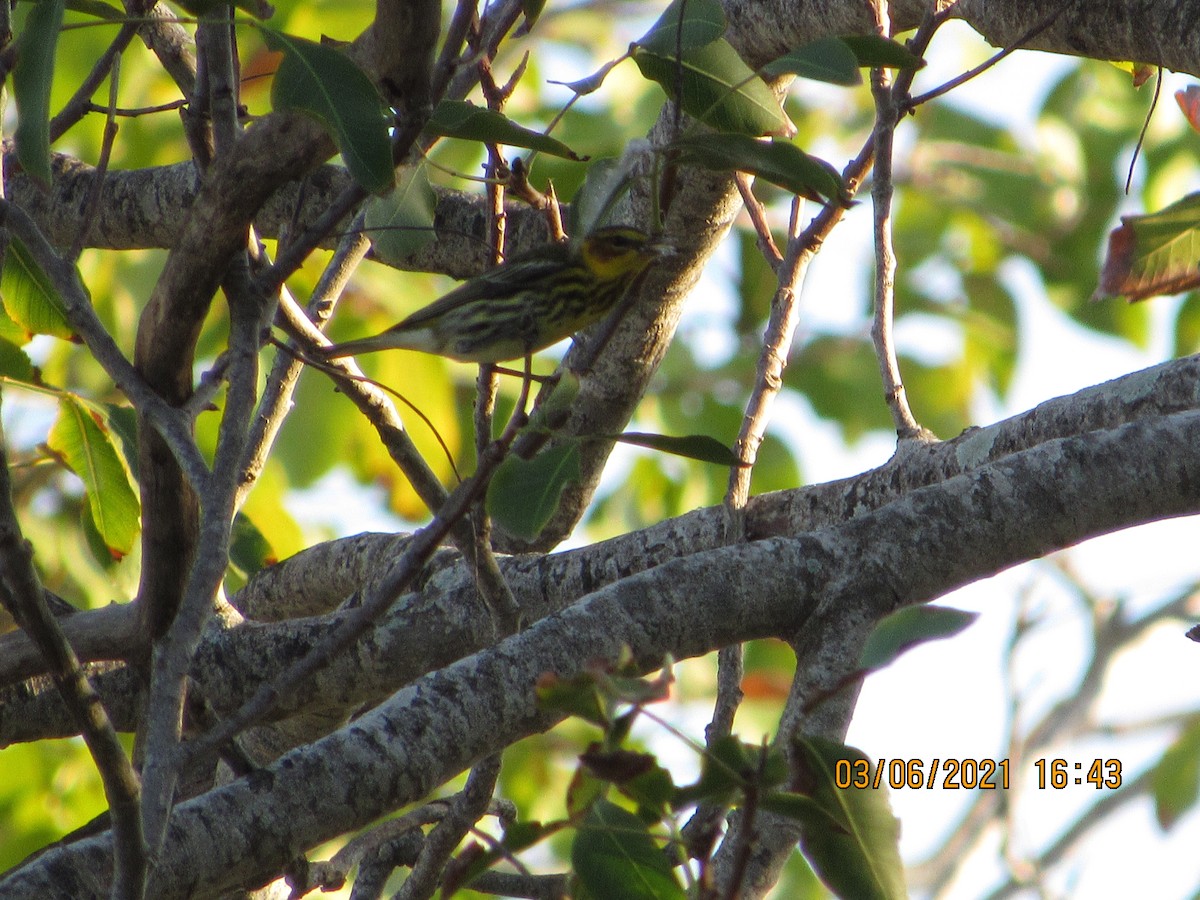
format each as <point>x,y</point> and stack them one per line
<point>1057,774</point>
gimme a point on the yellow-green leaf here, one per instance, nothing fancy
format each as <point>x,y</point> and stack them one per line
<point>29,297</point>
<point>82,438</point>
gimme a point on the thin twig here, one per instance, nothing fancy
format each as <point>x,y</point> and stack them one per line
<point>758,217</point>
<point>91,205</point>
<point>470,805</point>
<point>285,371</point>
<point>959,80</point>
<point>80,103</point>
<point>172,657</point>
<point>887,116</point>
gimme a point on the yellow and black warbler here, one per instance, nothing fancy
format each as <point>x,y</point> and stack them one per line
<point>525,304</point>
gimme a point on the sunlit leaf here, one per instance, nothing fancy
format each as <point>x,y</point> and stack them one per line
<point>715,86</point>
<point>83,439</point>
<point>1154,254</point>
<point>524,493</point>
<point>32,78</point>
<point>460,119</point>
<point>1189,104</point>
<point>29,297</point>
<point>1175,781</point>
<point>324,83</point>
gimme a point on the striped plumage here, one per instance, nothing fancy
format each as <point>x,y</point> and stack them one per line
<point>524,305</point>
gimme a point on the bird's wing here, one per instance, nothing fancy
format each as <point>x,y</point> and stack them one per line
<point>499,282</point>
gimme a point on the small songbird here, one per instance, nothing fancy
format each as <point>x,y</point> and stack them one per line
<point>527,303</point>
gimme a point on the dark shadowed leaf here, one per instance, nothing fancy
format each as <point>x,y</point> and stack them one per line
<point>324,82</point>
<point>460,119</point>
<point>703,22</point>
<point>616,858</point>
<point>828,59</point>
<point>718,88</point>
<point>401,222</point>
<point>779,162</point>
<point>856,849</point>
<point>524,493</point>
<point>877,51</point>
<point>692,446</point>
<point>32,78</point>
<point>908,627</point>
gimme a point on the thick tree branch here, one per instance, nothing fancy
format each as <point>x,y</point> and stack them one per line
<point>981,523</point>
<point>444,621</point>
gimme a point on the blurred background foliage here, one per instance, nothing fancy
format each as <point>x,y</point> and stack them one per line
<point>976,197</point>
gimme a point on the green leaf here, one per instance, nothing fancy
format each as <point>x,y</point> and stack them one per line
<point>524,493</point>
<point>1175,781</point>
<point>779,162</point>
<point>606,182</point>
<point>326,84</point>
<point>856,851</point>
<point>97,8</point>
<point>876,51</point>
<point>1154,254</point>
<point>692,446</point>
<point>532,10</point>
<point>15,363</point>
<point>725,770</point>
<point>83,439</point>
<point>827,59</point>
<point>904,629</point>
<point>616,858</point>
<point>518,837</point>
<point>703,22</point>
<point>29,297</point>
<point>460,119</point>
<point>249,549</point>
<point>401,223</point>
<point>1187,326</point>
<point>32,79</point>
<point>717,88</point>
<point>578,696</point>
<point>260,9</point>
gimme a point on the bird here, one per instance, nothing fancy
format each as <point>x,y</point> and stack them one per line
<point>525,304</point>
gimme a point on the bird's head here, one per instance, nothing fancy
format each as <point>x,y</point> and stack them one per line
<point>618,251</point>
